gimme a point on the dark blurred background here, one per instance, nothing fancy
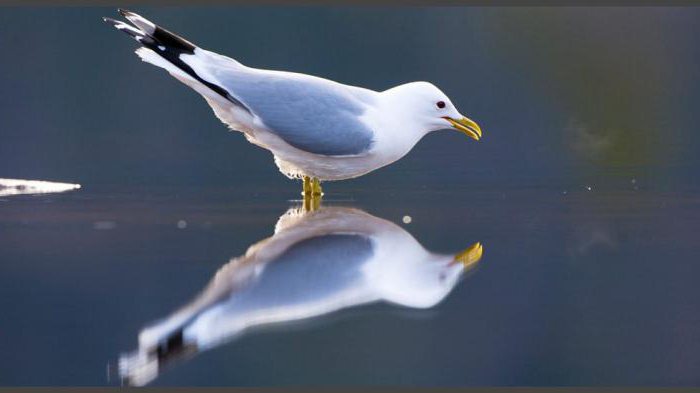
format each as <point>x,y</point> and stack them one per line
<point>566,96</point>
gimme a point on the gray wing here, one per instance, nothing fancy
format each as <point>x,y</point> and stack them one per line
<point>311,114</point>
<point>310,271</point>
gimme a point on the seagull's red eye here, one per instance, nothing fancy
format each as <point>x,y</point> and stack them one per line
<point>440,104</point>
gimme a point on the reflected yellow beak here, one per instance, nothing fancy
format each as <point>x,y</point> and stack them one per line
<point>471,255</point>
<point>467,126</point>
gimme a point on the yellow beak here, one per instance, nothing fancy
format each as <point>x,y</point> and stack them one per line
<point>470,256</point>
<point>467,126</point>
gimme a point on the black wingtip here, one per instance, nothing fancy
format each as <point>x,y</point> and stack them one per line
<point>123,12</point>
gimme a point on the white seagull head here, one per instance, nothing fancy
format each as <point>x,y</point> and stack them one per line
<point>425,108</point>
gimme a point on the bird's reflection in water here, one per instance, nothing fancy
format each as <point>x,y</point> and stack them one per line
<point>316,262</point>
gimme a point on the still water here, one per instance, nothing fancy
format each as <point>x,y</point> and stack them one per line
<point>561,249</point>
<point>220,286</point>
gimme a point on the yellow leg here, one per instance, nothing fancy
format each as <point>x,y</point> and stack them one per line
<point>316,187</point>
<point>312,192</point>
<point>311,203</point>
<point>306,186</point>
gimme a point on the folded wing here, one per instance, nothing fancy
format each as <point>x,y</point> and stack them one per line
<point>311,114</point>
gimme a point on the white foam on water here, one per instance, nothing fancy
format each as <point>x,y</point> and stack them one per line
<point>22,186</point>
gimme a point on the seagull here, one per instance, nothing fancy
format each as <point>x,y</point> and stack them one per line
<point>317,129</point>
<point>315,264</point>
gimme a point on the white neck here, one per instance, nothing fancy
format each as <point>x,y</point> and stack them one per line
<point>396,134</point>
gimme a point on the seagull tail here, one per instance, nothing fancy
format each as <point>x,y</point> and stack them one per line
<point>151,35</point>
<point>164,49</point>
<point>135,33</point>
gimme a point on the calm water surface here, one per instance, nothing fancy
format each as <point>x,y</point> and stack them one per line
<point>582,287</point>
